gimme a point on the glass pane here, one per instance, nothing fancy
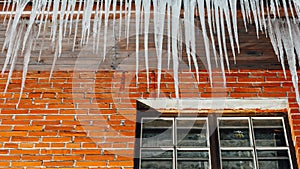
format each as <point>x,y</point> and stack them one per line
<point>267,122</point>
<point>272,153</point>
<point>237,154</point>
<point>274,164</point>
<point>191,133</point>
<point>160,123</point>
<point>192,154</point>
<point>269,137</point>
<point>234,137</point>
<point>191,123</point>
<point>277,159</point>
<point>191,137</point>
<point>157,154</point>
<point>230,123</point>
<point>226,164</point>
<point>157,164</point>
<point>157,132</point>
<point>192,165</point>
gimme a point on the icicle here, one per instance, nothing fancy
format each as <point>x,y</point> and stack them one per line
<point>44,5</point>
<point>95,25</point>
<point>193,4</point>
<point>11,46</point>
<point>76,24</point>
<point>280,46</point>
<point>61,23</point>
<point>176,5</point>
<point>114,14</point>
<point>292,11</point>
<point>99,27</point>
<point>201,10</point>
<point>258,10</point>
<point>262,5</point>
<point>146,5</point>
<point>287,19</point>
<point>272,8</point>
<point>169,31</point>
<point>296,35</point>
<point>277,7</point>
<point>224,39</point>
<point>54,20</point>
<point>159,20</point>
<point>248,10</point>
<point>16,44</point>
<point>128,20</point>
<point>35,6</point>
<point>26,63</point>
<point>272,36</point>
<point>233,6</point>
<point>73,4</point>
<point>255,15</point>
<point>120,19</point>
<point>68,11</point>
<point>187,30</point>
<point>217,16</point>
<point>86,21</point>
<point>243,11</point>
<point>107,7</point>
<point>291,58</point>
<point>209,20</point>
<point>137,37</point>
<point>229,28</point>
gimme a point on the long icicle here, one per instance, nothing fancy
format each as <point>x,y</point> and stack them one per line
<point>137,37</point>
<point>146,5</point>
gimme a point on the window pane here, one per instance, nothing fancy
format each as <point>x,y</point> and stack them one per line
<point>237,154</point>
<point>277,159</point>
<point>157,154</point>
<point>193,165</point>
<point>191,133</point>
<point>234,133</point>
<point>237,159</point>
<point>269,133</point>
<point>230,164</point>
<point>203,154</point>
<point>156,133</point>
<point>268,137</point>
<point>157,164</point>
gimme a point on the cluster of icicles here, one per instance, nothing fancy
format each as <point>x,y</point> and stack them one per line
<point>217,17</point>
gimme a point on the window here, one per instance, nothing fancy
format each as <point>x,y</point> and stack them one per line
<point>214,142</point>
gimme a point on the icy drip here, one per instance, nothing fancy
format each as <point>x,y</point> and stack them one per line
<point>159,20</point>
<point>219,13</point>
<point>176,5</point>
<point>146,6</point>
<point>137,37</point>
<point>291,58</point>
<point>204,34</point>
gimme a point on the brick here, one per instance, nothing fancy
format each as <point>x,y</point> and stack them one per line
<point>31,151</point>
<point>67,158</point>
<point>55,151</point>
<point>22,128</point>
<point>40,111</point>
<point>58,163</point>
<point>14,111</point>
<point>57,139</point>
<point>120,163</point>
<point>36,157</point>
<point>90,163</point>
<point>90,151</point>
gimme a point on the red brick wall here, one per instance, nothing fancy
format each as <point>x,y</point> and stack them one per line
<point>74,119</point>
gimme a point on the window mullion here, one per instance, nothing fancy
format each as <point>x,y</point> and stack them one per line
<point>252,139</point>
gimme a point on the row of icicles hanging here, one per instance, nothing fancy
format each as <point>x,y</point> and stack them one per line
<point>219,16</point>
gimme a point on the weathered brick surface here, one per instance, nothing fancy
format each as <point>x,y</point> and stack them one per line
<point>83,120</point>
